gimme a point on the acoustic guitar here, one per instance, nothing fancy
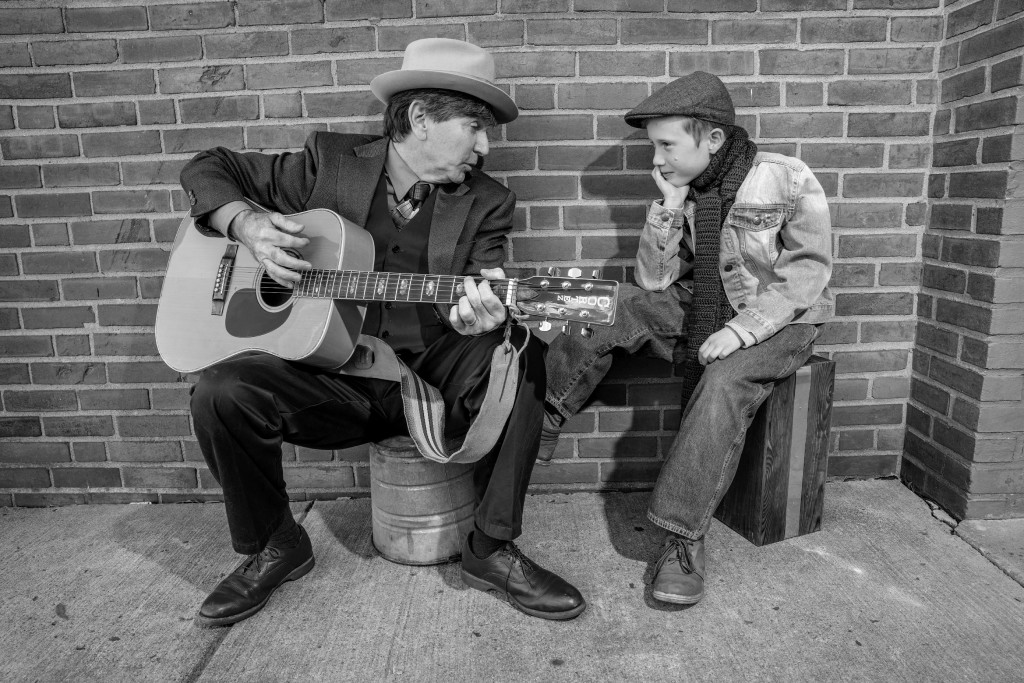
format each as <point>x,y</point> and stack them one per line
<point>218,302</point>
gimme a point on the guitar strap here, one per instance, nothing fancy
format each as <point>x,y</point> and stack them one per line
<point>424,407</point>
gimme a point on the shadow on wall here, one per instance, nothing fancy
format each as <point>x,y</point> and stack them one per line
<point>649,386</point>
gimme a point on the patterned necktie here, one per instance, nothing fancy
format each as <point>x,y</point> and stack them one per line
<point>405,210</point>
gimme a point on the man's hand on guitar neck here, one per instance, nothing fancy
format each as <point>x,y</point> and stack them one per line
<point>479,311</point>
<point>268,236</point>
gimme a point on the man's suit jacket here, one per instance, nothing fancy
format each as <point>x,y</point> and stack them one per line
<point>340,172</point>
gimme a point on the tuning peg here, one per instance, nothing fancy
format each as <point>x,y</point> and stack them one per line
<point>545,325</point>
<point>550,271</point>
<point>566,329</point>
<point>595,274</point>
<point>575,272</point>
<point>586,332</point>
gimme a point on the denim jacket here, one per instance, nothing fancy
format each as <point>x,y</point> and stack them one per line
<point>776,249</point>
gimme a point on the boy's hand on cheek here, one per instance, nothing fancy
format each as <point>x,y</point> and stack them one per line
<point>673,197</point>
<point>719,345</point>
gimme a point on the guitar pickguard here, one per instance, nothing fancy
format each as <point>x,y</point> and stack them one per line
<point>245,317</point>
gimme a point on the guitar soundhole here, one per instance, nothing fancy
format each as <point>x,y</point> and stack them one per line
<point>273,296</point>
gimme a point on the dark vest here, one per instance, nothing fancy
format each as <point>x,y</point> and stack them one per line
<point>403,326</point>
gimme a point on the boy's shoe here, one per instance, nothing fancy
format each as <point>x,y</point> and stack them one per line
<point>549,432</point>
<point>679,574</point>
<point>246,590</point>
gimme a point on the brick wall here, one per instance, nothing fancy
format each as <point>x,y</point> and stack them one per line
<point>101,105</point>
<point>966,416</point>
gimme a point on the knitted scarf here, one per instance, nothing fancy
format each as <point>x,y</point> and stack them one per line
<point>714,191</point>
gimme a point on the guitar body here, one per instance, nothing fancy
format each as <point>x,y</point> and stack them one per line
<point>256,313</point>
<point>218,302</point>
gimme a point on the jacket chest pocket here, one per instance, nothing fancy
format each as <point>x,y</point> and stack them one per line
<point>757,228</point>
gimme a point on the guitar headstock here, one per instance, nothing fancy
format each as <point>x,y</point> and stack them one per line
<point>569,297</point>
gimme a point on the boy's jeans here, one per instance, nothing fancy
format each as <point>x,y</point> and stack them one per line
<point>702,459</point>
<point>646,323</point>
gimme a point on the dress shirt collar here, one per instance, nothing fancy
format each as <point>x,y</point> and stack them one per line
<point>401,176</point>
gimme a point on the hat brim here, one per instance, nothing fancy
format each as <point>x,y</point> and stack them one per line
<point>387,84</point>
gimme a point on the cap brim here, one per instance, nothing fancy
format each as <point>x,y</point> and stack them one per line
<point>387,84</point>
<point>640,120</point>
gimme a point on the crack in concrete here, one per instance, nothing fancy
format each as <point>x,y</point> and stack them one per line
<point>941,515</point>
<point>992,559</point>
<point>204,660</point>
<point>301,517</point>
<point>196,672</point>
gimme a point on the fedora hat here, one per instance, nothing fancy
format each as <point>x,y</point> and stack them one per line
<point>451,65</point>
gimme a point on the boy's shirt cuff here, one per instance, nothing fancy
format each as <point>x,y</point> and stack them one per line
<point>745,335</point>
<point>661,217</point>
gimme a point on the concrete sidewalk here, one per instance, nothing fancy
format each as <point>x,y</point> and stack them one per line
<point>885,592</point>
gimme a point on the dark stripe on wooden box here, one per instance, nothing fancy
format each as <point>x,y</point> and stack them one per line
<point>778,490</point>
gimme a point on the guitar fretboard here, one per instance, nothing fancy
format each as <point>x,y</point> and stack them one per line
<point>359,285</point>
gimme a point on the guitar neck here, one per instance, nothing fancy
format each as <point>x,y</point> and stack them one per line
<point>361,285</point>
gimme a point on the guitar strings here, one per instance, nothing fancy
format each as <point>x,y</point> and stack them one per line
<point>372,286</point>
<point>415,282</point>
<point>359,273</point>
<point>391,291</point>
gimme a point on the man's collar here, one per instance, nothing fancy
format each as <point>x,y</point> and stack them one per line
<point>402,177</point>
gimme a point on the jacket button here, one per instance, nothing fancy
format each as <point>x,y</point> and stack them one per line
<point>385,334</point>
<point>388,305</point>
<point>395,249</point>
<point>191,198</point>
<point>666,216</point>
<point>757,221</point>
<point>738,308</point>
<point>728,269</point>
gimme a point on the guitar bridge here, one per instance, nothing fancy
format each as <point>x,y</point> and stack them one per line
<point>223,279</point>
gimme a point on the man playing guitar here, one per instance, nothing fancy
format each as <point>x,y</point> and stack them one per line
<point>428,208</point>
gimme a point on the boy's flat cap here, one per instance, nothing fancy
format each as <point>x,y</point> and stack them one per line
<point>699,95</point>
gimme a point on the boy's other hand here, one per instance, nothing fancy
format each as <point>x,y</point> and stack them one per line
<point>719,345</point>
<point>673,197</point>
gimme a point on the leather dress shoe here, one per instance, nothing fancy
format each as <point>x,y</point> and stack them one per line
<point>247,589</point>
<point>512,576</point>
<point>679,574</point>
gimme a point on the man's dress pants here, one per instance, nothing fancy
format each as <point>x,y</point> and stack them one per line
<point>246,407</point>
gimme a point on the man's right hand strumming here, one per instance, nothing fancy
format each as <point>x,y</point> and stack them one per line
<point>267,236</point>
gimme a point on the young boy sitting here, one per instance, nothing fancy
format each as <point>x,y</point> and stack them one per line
<point>734,263</point>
